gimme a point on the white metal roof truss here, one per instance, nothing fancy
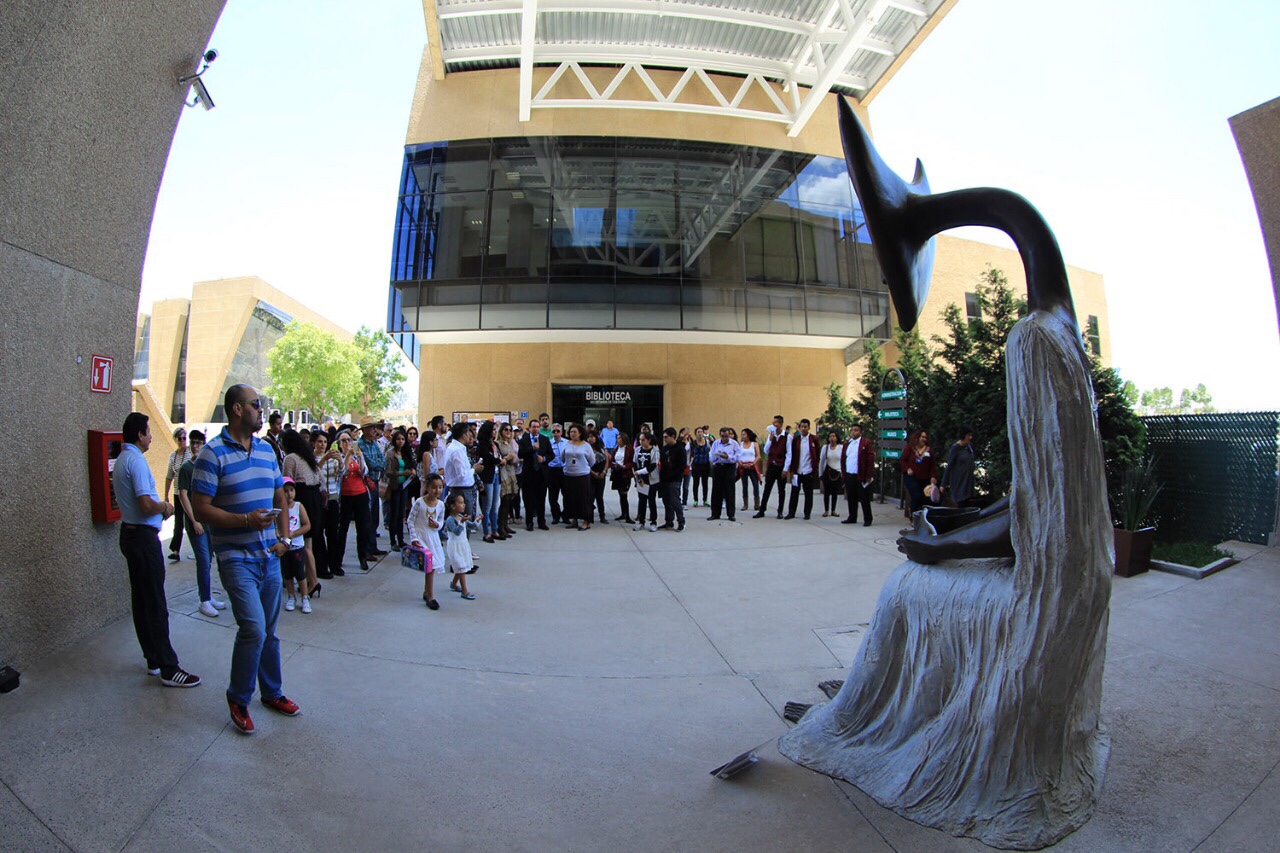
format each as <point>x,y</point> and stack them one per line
<point>792,51</point>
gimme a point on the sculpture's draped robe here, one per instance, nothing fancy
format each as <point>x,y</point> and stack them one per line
<point>973,703</point>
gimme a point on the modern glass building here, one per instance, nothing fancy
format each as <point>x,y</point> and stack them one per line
<point>641,210</point>
<point>631,233</point>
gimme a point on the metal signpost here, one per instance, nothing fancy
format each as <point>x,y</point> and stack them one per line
<point>892,417</point>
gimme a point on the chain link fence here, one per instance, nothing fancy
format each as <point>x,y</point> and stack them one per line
<point>1218,473</point>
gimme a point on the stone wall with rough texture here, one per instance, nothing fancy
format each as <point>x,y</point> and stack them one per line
<point>1257,133</point>
<point>89,102</point>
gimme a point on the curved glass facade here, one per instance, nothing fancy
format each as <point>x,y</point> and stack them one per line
<point>630,233</point>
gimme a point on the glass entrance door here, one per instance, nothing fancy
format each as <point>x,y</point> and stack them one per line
<point>628,406</point>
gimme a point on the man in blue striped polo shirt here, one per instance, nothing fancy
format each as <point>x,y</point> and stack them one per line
<point>238,494</point>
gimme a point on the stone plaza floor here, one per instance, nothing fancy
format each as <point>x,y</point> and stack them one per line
<point>580,701</point>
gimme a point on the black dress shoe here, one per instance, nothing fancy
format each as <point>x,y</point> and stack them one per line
<point>866,523</point>
<point>759,514</point>
<point>324,575</point>
<point>529,527</point>
<point>779,513</point>
<point>337,573</point>
<point>364,565</point>
<point>543,527</point>
<point>850,521</point>
<point>788,518</point>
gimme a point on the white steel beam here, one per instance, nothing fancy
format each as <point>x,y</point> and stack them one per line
<point>528,26</point>
<point>859,29</point>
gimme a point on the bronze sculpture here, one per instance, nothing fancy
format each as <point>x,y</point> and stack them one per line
<point>973,702</point>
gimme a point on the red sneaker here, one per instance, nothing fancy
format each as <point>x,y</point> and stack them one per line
<point>283,705</point>
<point>240,717</point>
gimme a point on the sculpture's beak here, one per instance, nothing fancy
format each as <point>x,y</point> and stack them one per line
<point>905,252</point>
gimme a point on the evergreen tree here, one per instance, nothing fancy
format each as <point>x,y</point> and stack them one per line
<point>961,382</point>
<point>839,415</point>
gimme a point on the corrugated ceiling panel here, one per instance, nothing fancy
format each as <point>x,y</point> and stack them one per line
<point>587,27</point>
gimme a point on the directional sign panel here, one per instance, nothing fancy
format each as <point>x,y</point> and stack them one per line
<point>899,434</point>
<point>890,453</point>
<point>893,414</point>
<point>894,394</point>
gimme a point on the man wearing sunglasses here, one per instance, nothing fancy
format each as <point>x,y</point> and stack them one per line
<point>237,493</point>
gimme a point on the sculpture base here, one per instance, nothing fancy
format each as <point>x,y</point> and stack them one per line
<point>933,724</point>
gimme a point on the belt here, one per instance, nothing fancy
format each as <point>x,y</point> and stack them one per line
<point>127,526</point>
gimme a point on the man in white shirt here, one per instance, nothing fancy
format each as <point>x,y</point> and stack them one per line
<point>459,472</point>
<point>859,468</point>
<point>802,466</point>
<point>724,470</point>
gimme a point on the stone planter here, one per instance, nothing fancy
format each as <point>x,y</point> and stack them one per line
<point>1133,550</point>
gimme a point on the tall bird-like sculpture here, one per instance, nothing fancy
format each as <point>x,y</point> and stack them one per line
<point>973,703</point>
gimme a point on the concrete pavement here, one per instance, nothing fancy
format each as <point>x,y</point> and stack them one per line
<point>580,701</point>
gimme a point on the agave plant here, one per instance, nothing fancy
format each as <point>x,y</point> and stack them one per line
<point>1139,488</point>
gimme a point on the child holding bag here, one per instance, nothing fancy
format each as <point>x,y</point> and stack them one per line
<point>426,520</point>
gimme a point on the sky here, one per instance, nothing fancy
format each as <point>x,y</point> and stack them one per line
<point>1111,116</point>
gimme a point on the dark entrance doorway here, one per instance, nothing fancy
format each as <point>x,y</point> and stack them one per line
<point>628,406</point>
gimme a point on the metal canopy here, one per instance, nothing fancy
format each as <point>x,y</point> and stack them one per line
<point>772,60</point>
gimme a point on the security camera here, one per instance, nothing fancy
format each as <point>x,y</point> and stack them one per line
<point>202,95</point>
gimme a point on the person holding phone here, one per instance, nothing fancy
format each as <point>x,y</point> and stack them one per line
<point>237,492</point>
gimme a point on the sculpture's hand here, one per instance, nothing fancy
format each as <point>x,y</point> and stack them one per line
<point>988,536</point>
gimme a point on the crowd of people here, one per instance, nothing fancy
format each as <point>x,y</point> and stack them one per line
<point>277,510</point>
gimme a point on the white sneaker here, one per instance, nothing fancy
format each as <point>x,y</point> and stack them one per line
<point>306,604</point>
<point>206,607</point>
<point>288,604</point>
<point>220,605</point>
<point>638,527</point>
<point>653,528</point>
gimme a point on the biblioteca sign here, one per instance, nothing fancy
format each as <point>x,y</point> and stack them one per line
<point>598,397</point>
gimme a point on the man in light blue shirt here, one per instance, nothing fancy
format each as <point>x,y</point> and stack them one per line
<point>609,436</point>
<point>141,514</point>
<point>555,471</point>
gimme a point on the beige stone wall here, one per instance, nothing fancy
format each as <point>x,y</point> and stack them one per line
<point>218,313</point>
<point>703,383</point>
<point>168,322</point>
<point>958,267</point>
<point>478,104</point>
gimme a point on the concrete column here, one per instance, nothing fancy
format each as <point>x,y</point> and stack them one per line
<point>89,101</point>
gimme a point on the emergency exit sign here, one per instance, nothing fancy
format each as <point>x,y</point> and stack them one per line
<point>100,381</point>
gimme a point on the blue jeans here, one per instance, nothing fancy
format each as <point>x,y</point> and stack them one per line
<point>253,588</point>
<point>203,549</point>
<point>490,499</point>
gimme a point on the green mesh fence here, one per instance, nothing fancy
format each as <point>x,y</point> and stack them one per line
<point>1219,475</point>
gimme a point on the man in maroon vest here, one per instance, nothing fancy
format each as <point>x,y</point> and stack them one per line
<point>775,449</point>
<point>802,466</point>
<point>859,467</point>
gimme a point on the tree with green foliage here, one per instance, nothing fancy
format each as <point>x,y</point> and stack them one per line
<point>962,383</point>
<point>379,366</point>
<point>1124,438</point>
<point>312,369</point>
<point>839,415</point>
<point>1158,401</point>
<point>1196,401</point>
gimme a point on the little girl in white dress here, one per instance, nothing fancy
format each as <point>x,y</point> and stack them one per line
<point>426,520</point>
<point>457,550</point>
